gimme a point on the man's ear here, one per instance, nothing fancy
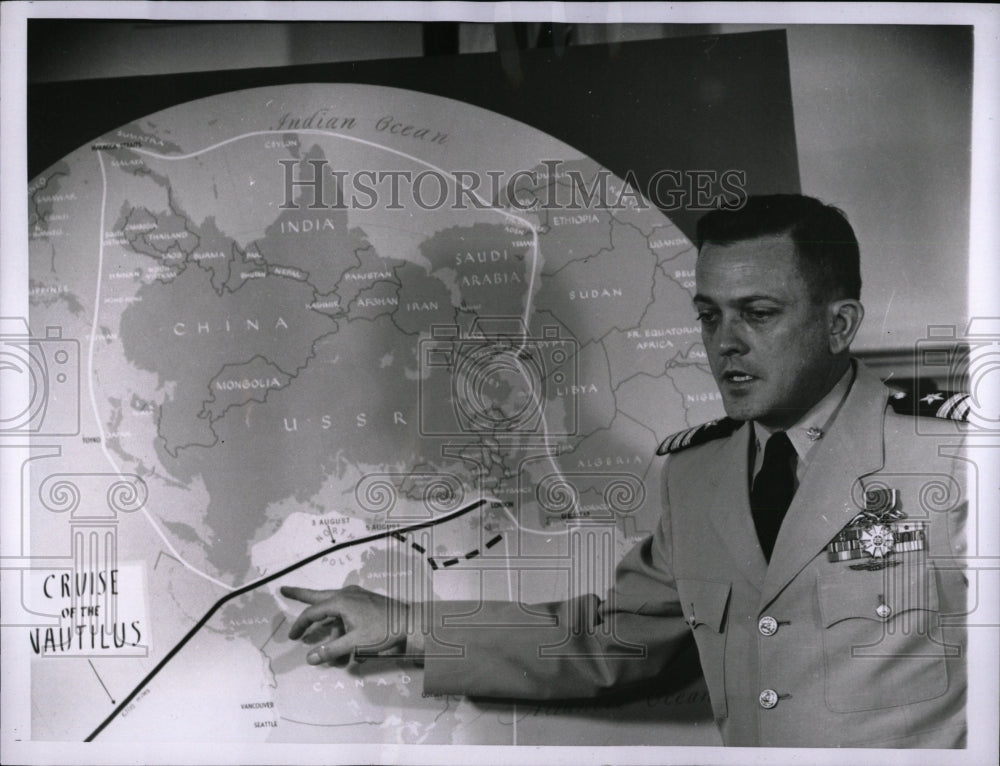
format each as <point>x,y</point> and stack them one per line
<point>844,317</point>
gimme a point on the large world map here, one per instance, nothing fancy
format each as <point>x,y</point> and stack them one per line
<point>328,335</point>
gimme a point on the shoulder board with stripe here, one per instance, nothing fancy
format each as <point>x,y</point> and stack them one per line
<point>692,437</point>
<point>950,405</point>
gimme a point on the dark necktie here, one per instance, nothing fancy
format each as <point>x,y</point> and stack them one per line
<point>773,490</point>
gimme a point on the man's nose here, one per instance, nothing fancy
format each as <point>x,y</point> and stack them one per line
<point>730,338</point>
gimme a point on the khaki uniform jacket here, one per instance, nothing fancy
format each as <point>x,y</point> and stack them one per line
<point>859,657</point>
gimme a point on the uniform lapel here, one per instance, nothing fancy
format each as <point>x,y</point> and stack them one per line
<point>822,506</point>
<point>730,509</point>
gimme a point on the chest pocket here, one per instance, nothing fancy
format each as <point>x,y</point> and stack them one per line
<point>882,642</point>
<point>705,604</point>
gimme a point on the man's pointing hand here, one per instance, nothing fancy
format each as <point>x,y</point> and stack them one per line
<point>346,621</point>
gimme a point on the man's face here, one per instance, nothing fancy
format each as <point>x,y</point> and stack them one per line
<point>768,342</point>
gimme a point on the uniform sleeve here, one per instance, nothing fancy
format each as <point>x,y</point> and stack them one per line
<point>573,649</point>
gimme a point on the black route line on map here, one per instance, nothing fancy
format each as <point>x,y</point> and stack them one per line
<point>449,562</point>
<point>253,586</point>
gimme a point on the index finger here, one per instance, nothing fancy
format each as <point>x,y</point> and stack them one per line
<point>308,595</point>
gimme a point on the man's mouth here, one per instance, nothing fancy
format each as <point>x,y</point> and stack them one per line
<point>737,376</point>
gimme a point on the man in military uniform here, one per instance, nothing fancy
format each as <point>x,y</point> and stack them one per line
<point>809,541</point>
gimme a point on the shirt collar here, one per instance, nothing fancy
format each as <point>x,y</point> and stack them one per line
<point>812,426</point>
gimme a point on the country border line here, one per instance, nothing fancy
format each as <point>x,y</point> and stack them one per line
<point>256,584</point>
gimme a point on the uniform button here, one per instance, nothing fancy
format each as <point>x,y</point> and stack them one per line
<point>767,625</point>
<point>768,699</point>
<point>883,610</point>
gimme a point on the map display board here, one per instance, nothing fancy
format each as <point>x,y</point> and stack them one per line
<point>325,335</point>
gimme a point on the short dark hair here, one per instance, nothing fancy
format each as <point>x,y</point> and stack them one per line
<point>824,240</point>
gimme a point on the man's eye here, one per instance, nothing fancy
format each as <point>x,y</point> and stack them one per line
<point>707,316</point>
<point>759,315</point>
